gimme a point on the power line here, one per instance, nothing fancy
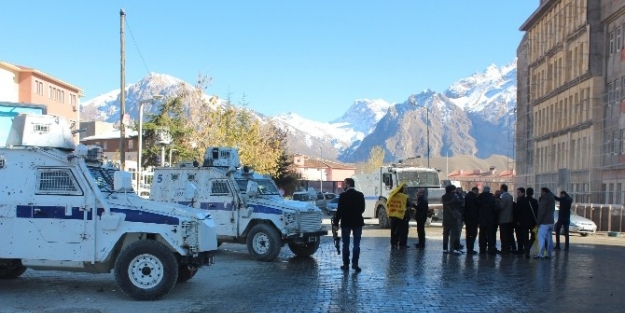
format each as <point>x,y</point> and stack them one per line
<point>137,47</point>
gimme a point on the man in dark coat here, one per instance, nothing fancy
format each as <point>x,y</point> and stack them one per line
<point>471,217</point>
<point>564,219</point>
<point>452,211</point>
<point>421,216</point>
<point>533,204</point>
<point>349,212</point>
<point>525,220</point>
<point>487,221</point>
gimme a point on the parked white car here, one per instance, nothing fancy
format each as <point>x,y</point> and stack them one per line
<point>579,224</point>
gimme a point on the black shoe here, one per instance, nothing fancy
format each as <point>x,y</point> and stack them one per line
<point>566,249</point>
<point>556,248</point>
<point>356,268</point>
<point>471,252</point>
<point>420,247</point>
<point>482,251</point>
<point>345,267</point>
<point>403,247</point>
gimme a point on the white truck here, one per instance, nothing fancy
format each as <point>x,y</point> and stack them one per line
<point>247,207</point>
<point>61,210</point>
<point>377,185</point>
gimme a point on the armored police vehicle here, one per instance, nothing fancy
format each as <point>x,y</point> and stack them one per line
<point>247,207</point>
<point>61,210</point>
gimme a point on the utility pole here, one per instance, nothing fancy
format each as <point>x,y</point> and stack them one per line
<point>122,94</point>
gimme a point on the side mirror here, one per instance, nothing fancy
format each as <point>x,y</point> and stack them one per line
<point>122,181</point>
<point>252,189</point>
<point>189,191</point>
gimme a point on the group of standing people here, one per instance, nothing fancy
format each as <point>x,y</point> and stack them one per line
<point>528,219</point>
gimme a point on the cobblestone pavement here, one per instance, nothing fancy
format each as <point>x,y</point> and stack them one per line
<point>588,278</point>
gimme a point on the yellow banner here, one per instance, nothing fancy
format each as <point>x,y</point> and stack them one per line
<point>396,203</point>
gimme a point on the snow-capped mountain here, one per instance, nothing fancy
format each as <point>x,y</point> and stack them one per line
<point>474,116</point>
<point>106,107</point>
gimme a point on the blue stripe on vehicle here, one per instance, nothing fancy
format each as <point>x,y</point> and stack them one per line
<point>58,212</point>
<point>372,197</point>
<point>265,209</point>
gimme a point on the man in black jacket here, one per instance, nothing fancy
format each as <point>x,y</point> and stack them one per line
<point>533,204</point>
<point>471,216</point>
<point>524,219</point>
<point>421,217</point>
<point>487,221</point>
<point>349,212</point>
<point>564,219</point>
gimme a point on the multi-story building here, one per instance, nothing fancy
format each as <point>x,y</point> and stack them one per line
<point>612,162</point>
<point>560,99</point>
<point>27,85</point>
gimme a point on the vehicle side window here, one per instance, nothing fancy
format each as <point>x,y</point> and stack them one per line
<point>219,187</point>
<point>320,197</point>
<point>57,181</point>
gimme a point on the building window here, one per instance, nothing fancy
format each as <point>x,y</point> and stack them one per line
<point>619,43</point>
<point>131,144</point>
<point>622,145</point>
<point>612,49</point>
<point>610,93</point>
<point>105,145</point>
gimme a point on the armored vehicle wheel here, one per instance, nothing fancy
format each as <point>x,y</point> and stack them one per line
<point>12,270</point>
<point>383,219</point>
<point>185,273</point>
<point>146,270</point>
<point>304,249</point>
<point>263,242</point>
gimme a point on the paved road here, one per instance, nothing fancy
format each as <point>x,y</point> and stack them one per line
<point>588,278</point>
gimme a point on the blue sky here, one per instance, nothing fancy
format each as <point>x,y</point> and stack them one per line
<point>313,58</point>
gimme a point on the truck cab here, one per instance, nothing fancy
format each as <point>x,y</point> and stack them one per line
<point>246,206</point>
<point>62,210</point>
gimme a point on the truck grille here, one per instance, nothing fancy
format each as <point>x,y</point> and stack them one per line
<point>309,222</point>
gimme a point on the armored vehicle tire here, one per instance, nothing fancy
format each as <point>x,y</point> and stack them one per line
<point>304,249</point>
<point>146,270</point>
<point>383,219</point>
<point>263,242</point>
<point>185,273</point>
<point>12,271</point>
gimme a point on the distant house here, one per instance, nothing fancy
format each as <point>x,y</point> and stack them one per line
<point>110,140</point>
<point>29,86</point>
<point>322,175</point>
<point>481,178</point>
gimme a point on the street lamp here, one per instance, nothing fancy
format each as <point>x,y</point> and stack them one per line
<point>140,136</point>
<point>427,124</point>
<point>170,153</point>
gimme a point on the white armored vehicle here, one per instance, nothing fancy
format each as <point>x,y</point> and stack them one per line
<point>61,210</point>
<point>247,207</point>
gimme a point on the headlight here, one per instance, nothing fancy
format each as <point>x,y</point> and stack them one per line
<point>289,218</point>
